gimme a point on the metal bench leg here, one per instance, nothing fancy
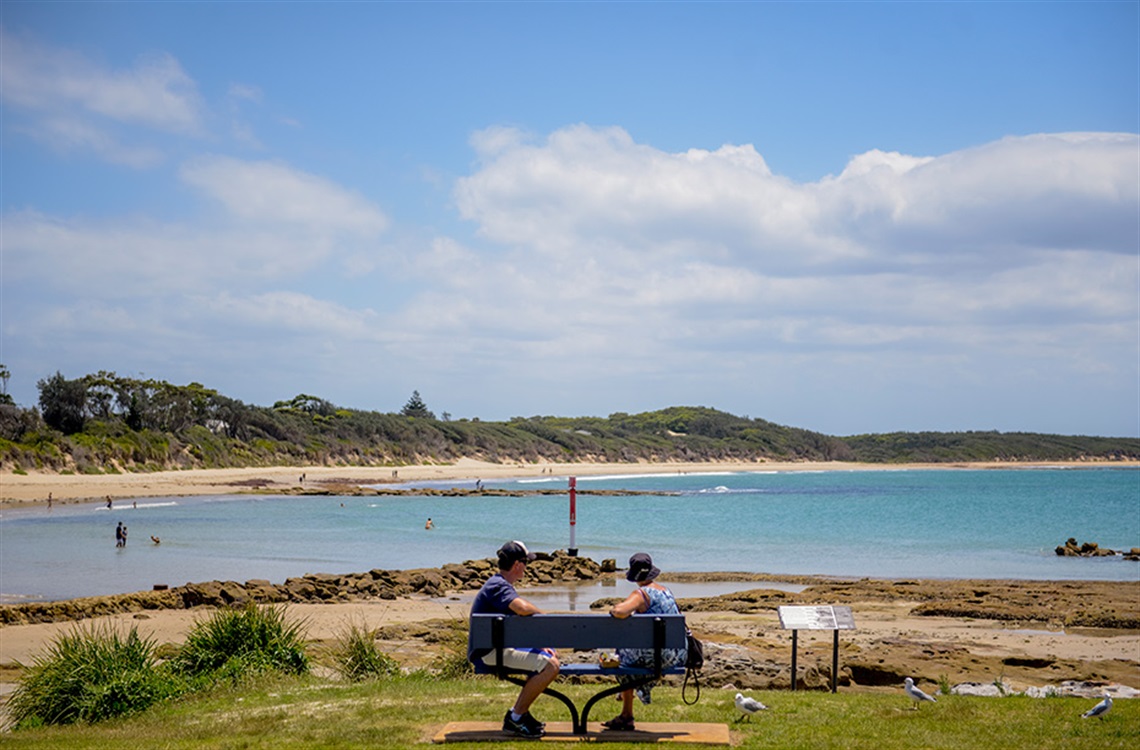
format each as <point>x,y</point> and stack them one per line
<point>606,694</point>
<point>579,726</point>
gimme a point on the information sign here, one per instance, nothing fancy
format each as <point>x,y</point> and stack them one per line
<point>826,617</point>
<point>822,617</point>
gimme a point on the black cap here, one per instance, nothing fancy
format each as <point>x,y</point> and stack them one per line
<point>512,552</point>
<point>641,568</point>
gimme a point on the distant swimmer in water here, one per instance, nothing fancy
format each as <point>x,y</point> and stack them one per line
<point>155,539</point>
<point>429,525</point>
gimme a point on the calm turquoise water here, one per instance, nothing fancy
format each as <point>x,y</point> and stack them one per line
<point>949,524</point>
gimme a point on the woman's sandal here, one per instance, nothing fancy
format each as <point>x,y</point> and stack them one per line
<point>619,722</point>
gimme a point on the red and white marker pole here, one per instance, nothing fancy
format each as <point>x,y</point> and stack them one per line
<point>573,515</point>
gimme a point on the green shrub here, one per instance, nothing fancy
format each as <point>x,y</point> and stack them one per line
<point>90,675</point>
<point>233,643</point>
<point>356,656</point>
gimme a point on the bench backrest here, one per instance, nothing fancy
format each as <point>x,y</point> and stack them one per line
<point>579,631</point>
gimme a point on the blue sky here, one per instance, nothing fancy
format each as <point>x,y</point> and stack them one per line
<point>847,217</point>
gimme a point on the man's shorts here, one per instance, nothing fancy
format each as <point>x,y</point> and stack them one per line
<point>521,659</point>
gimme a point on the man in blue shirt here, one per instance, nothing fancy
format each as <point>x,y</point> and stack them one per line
<point>498,596</point>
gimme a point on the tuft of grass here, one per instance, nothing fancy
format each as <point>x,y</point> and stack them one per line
<point>356,656</point>
<point>88,675</point>
<point>234,643</point>
<point>452,661</point>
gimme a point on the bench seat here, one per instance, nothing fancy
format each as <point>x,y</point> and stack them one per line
<point>591,670</point>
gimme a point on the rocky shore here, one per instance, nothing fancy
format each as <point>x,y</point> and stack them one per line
<point>314,588</point>
<point>1019,635</point>
<point>1071,548</point>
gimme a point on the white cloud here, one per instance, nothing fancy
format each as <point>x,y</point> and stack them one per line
<point>615,274</point>
<point>585,184</point>
<point>65,135</point>
<point>155,92</point>
<point>619,252</point>
<point>291,313</point>
<point>282,224</point>
<point>240,129</point>
<point>244,92</point>
<point>1032,193</point>
<point>993,204</point>
<point>272,192</point>
<point>496,139</point>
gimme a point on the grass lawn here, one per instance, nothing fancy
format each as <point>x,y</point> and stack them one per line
<point>306,712</point>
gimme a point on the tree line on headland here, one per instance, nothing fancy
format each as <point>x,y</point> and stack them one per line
<point>106,423</point>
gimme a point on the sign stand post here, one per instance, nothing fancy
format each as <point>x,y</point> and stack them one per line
<point>825,617</point>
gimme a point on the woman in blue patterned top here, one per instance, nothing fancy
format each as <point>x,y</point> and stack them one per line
<point>650,597</point>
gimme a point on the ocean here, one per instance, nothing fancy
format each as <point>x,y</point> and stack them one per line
<point>954,523</point>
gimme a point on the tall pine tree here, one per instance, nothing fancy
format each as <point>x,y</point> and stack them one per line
<point>416,407</point>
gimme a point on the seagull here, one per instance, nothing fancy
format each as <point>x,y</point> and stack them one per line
<point>748,706</point>
<point>1100,709</point>
<point>916,694</point>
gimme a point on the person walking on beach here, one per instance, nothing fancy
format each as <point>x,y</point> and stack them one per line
<point>652,598</point>
<point>498,596</point>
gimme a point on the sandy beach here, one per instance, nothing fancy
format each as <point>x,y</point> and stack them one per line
<point>889,634</point>
<point>35,487</point>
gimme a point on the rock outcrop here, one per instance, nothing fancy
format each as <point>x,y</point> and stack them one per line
<point>1091,549</point>
<point>310,588</point>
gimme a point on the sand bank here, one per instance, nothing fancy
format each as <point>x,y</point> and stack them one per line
<point>34,487</point>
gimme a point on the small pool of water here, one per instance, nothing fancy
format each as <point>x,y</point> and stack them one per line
<point>577,597</point>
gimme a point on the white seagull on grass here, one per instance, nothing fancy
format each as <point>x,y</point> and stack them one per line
<point>916,694</point>
<point>748,706</point>
<point>1100,709</point>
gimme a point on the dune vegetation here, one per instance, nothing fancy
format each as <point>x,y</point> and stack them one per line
<point>104,423</point>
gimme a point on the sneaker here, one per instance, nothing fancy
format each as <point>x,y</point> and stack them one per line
<point>527,726</point>
<point>533,723</point>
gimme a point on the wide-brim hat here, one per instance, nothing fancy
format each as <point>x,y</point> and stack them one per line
<point>641,568</point>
